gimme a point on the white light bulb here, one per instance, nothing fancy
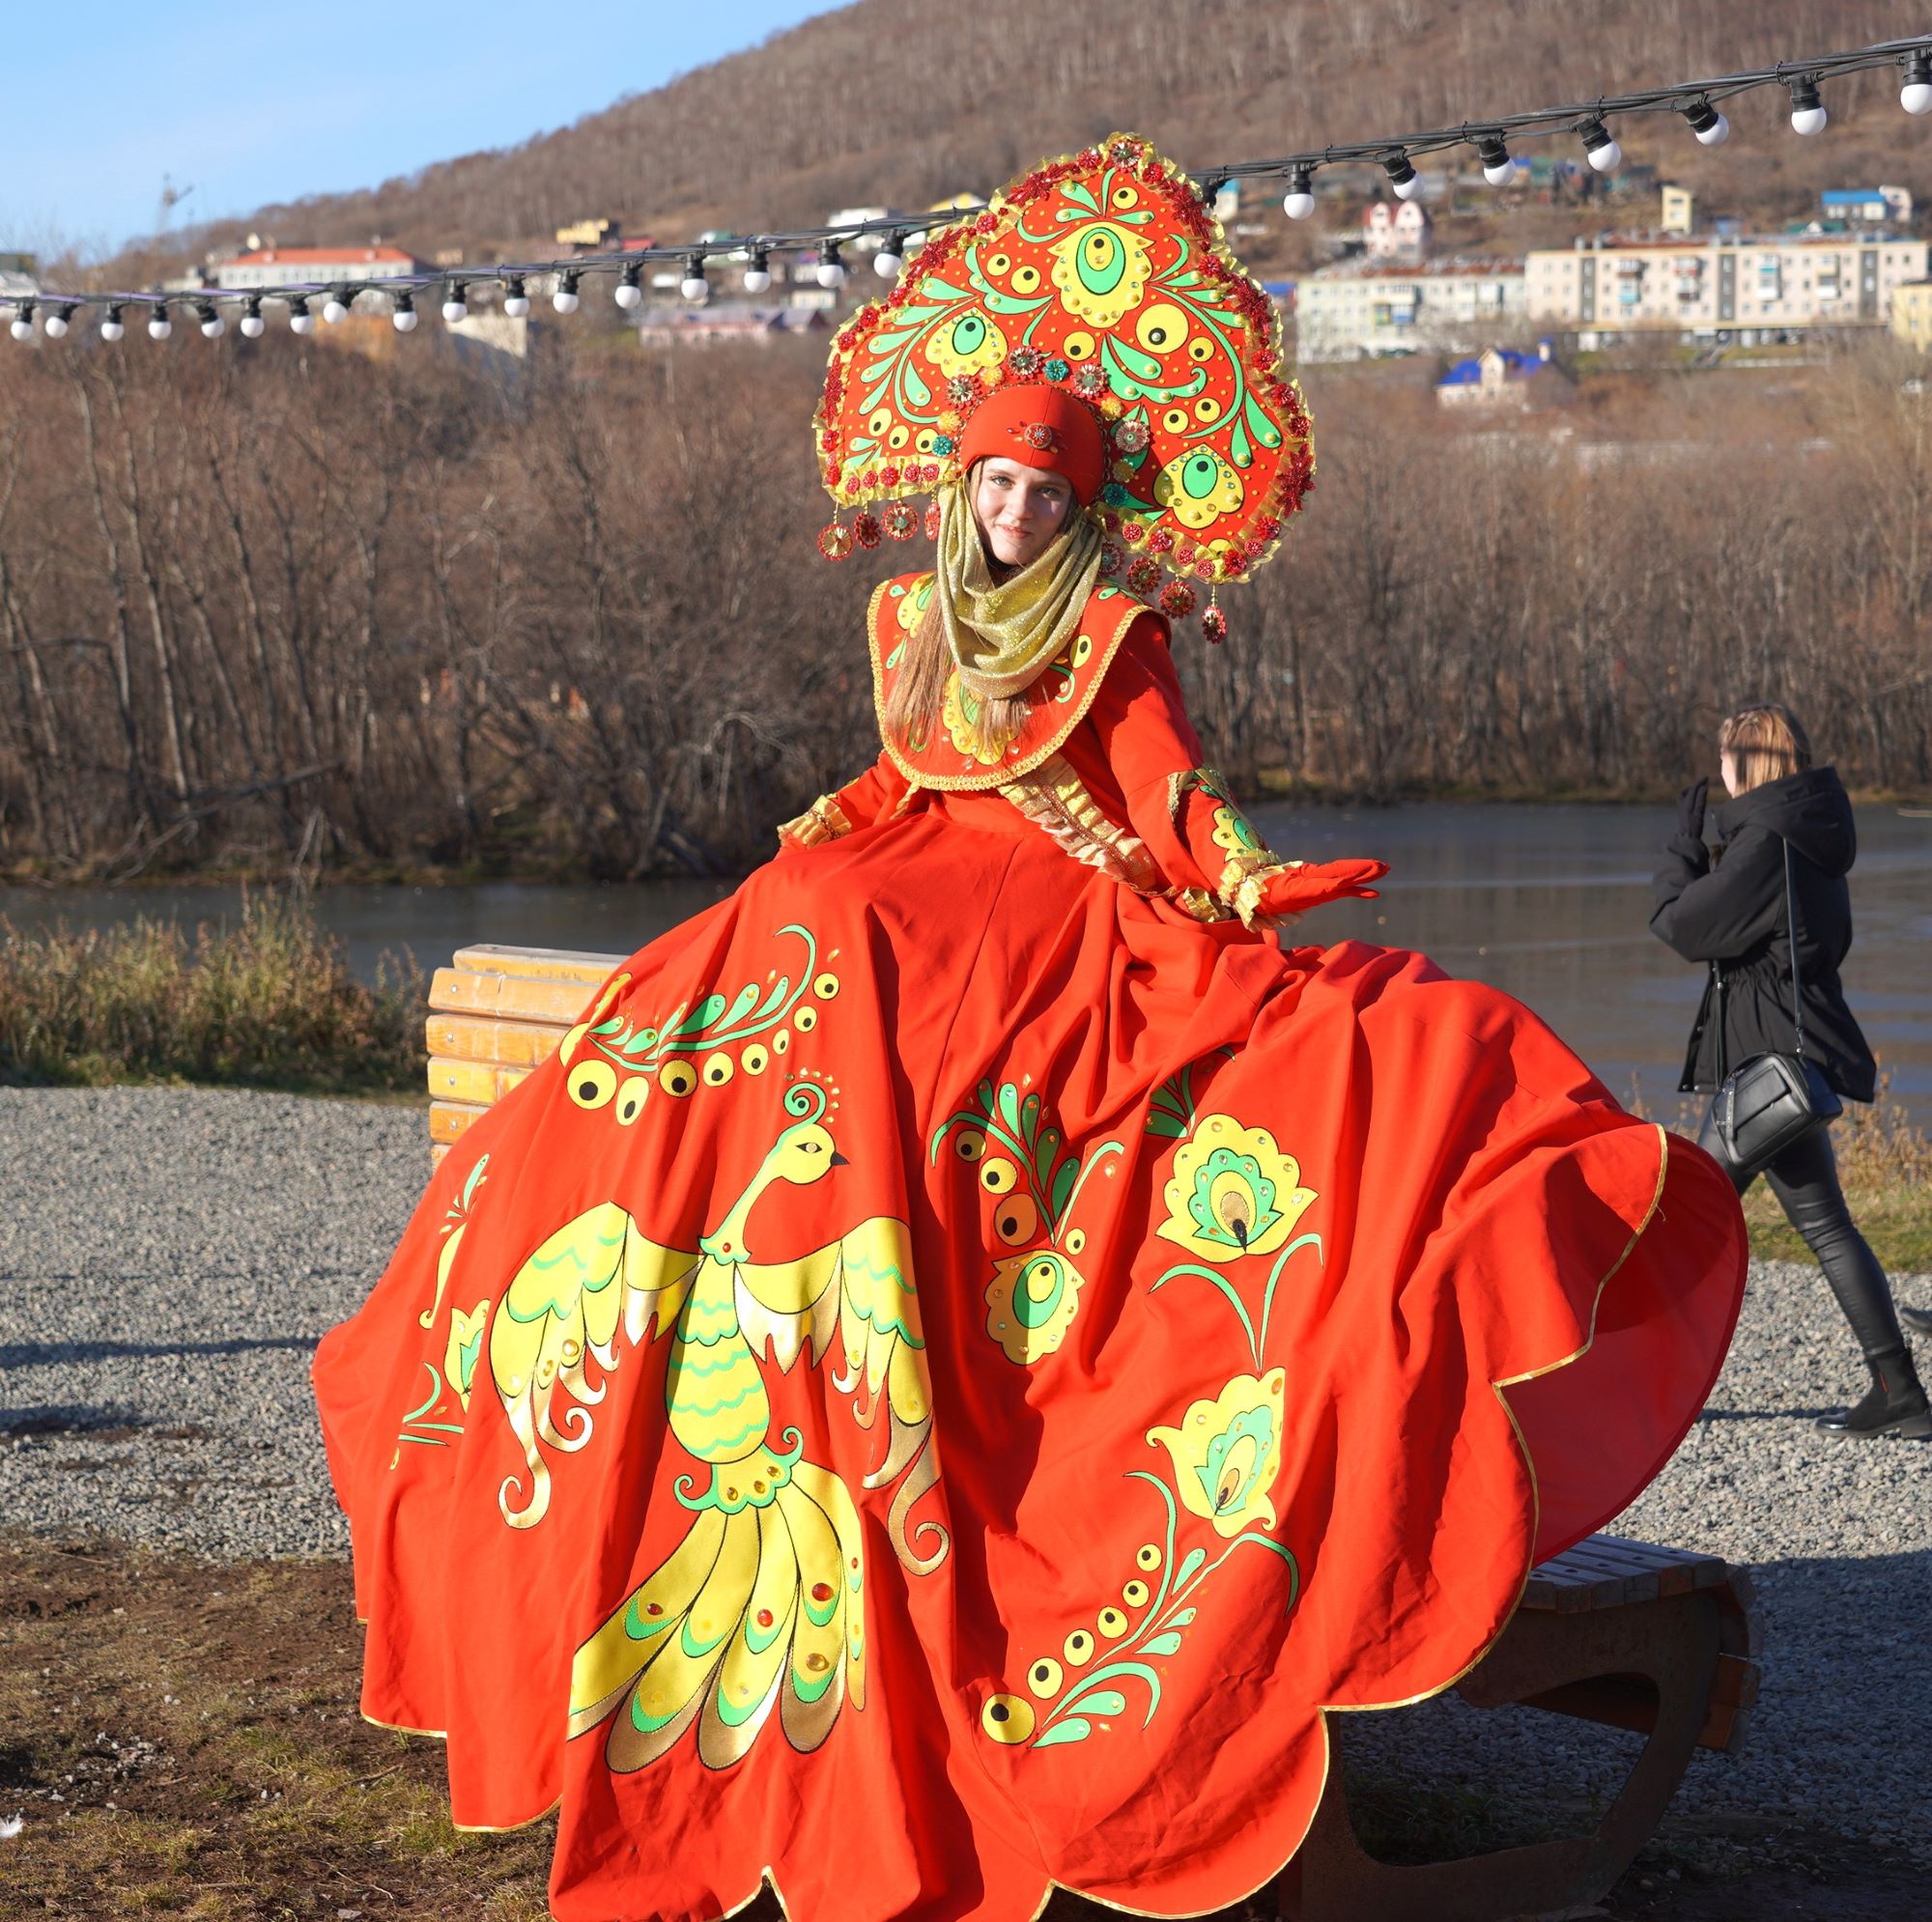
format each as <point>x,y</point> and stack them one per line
<point>831,274</point>
<point>159,328</point>
<point>695,287</point>
<point>1915,97</point>
<point>404,320</point>
<point>757,279</point>
<point>1717,133</point>
<point>302,322</point>
<point>337,310</point>
<point>214,327</point>
<point>112,331</point>
<point>887,263</point>
<point>1409,188</point>
<point>21,329</point>
<point>1607,157</point>
<point>629,294</point>
<point>253,325</point>
<point>56,326</point>
<point>565,299</point>
<point>1809,120</point>
<point>516,305</point>
<point>1299,205</point>
<point>454,311</point>
<point>1499,173</point>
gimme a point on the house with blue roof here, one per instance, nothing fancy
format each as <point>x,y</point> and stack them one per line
<point>1504,377</point>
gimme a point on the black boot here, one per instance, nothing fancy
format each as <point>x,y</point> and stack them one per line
<point>1895,1406</point>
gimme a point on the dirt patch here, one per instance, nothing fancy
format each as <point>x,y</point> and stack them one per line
<point>180,1738</point>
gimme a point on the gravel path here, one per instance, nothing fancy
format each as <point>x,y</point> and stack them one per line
<point>169,1258</point>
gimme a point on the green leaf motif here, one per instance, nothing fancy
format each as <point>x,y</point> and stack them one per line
<point>1163,1644</point>
<point>1074,1728</point>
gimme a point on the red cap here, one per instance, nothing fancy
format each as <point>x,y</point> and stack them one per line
<point>1038,426</point>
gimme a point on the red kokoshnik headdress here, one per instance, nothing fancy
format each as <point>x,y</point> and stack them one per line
<point>1106,278</point>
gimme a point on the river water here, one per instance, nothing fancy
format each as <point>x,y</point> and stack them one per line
<point>1548,903</point>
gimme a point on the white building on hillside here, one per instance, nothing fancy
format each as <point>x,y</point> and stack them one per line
<point>313,267</point>
<point>1748,290</point>
<point>1402,232</point>
<point>1366,311</point>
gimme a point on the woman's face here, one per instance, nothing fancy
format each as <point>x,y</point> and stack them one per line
<point>1019,509</point>
<point>1727,766</point>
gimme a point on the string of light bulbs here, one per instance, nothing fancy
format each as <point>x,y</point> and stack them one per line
<point>1696,101</point>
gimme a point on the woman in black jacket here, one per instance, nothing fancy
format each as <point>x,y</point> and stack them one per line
<point>1732,916</point>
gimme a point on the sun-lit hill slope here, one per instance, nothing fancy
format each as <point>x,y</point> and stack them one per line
<point>907,101</point>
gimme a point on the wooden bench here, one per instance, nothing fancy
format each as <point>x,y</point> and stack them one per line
<point>1657,1640</point>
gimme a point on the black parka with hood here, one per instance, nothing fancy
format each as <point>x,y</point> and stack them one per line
<point>1732,916</point>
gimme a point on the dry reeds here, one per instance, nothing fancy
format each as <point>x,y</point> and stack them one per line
<point>266,1001</point>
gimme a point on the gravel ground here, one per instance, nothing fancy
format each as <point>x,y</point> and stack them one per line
<point>168,1259</point>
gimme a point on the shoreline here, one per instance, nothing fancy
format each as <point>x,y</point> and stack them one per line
<point>563,873</point>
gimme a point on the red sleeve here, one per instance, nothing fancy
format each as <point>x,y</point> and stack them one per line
<point>1205,844</point>
<point>875,795</point>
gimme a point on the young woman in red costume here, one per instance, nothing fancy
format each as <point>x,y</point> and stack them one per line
<point>976,1342</point>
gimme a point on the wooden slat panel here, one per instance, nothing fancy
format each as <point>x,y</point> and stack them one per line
<point>479,1037</point>
<point>520,998</point>
<point>477,1083</point>
<point>545,963</point>
<point>1609,1571</point>
<point>448,1120</point>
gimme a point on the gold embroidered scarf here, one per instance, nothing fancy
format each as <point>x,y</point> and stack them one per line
<point>1001,634</point>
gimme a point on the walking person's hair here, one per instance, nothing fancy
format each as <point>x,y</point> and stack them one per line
<point>1767,740</point>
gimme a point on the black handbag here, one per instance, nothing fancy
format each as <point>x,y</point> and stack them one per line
<point>1773,1101</point>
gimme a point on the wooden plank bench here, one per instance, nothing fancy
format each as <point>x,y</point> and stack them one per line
<point>1658,1640</point>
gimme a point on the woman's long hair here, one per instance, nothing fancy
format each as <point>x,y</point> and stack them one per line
<point>1768,742</point>
<point>913,706</point>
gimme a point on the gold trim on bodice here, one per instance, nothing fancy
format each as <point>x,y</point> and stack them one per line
<point>947,755</point>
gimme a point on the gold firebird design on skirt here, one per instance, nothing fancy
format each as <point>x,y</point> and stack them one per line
<point>761,1602</point>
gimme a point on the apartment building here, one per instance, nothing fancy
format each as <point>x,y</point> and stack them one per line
<point>1362,310</point>
<point>1912,314</point>
<point>313,267</point>
<point>1738,288</point>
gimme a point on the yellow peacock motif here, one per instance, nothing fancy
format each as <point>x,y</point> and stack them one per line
<point>762,1600</point>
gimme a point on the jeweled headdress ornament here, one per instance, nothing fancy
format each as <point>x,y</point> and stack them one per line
<point>1106,276</point>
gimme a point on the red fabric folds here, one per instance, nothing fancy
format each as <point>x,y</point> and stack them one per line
<point>958,1362</point>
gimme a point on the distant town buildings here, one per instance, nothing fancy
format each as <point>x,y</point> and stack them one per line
<point>1359,310</point>
<point>1680,210</point>
<point>1870,207</point>
<point>709,326</point>
<point>1912,314</point>
<point>1398,233</point>
<point>313,267</point>
<point>1502,377</point>
<point>1747,289</point>
<point>19,277</point>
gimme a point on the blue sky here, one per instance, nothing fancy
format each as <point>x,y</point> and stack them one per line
<point>250,101</point>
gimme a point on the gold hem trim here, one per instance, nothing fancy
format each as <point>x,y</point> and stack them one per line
<point>402,1728</point>
<point>767,1879</point>
<point>1325,1710</point>
<point>1530,1460</point>
<point>504,1827</point>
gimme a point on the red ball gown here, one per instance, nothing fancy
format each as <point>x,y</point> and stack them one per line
<point>976,1339</point>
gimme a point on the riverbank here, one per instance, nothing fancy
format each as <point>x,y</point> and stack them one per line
<point>169,1258</point>
<point>266,1000</point>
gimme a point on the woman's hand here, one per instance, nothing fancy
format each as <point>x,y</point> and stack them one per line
<point>1287,892</point>
<point>1691,811</point>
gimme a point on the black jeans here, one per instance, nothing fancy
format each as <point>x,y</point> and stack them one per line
<point>1804,1179</point>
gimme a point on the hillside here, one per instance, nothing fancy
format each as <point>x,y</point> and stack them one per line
<point>908,100</point>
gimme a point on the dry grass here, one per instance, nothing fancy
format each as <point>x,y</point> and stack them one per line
<point>268,1002</point>
<point>1884,1161</point>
